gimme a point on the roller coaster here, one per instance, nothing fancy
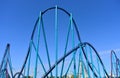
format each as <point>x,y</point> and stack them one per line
<point>52,55</point>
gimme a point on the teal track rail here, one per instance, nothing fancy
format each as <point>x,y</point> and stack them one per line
<point>76,58</point>
<point>115,69</point>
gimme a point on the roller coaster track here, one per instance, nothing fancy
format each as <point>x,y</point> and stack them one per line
<point>74,49</point>
<point>42,13</point>
<point>115,65</point>
<point>91,63</point>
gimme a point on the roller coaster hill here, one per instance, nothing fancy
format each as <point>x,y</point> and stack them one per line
<point>56,51</point>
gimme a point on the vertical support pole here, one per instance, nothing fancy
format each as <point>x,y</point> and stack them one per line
<point>3,66</point>
<point>9,60</point>
<point>6,71</point>
<point>5,63</point>
<point>73,58</point>
<point>24,70</point>
<point>68,33</point>
<point>56,40</point>
<point>87,61</point>
<point>69,66</point>
<point>117,67</point>
<point>81,63</point>
<point>36,62</point>
<point>46,46</point>
<point>73,44</point>
<point>91,59</point>
<point>111,63</point>
<point>83,69</point>
<point>98,67</point>
<point>28,69</point>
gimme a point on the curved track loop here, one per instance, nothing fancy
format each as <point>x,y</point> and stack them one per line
<point>115,69</point>
<point>73,50</point>
<point>79,50</point>
<point>100,60</point>
<point>81,46</point>
<point>35,26</point>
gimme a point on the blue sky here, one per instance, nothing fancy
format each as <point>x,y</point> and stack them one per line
<point>98,23</point>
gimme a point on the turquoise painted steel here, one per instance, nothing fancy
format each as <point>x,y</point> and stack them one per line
<point>73,44</point>
<point>114,65</point>
<point>91,59</point>
<point>28,69</point>
<point>81,62</point>
<point>88,69</point>
<point>6,62</point>
<point>37,49</point>
<point>39,58</point>
<point>56,39</point>
<point>68,33</point>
